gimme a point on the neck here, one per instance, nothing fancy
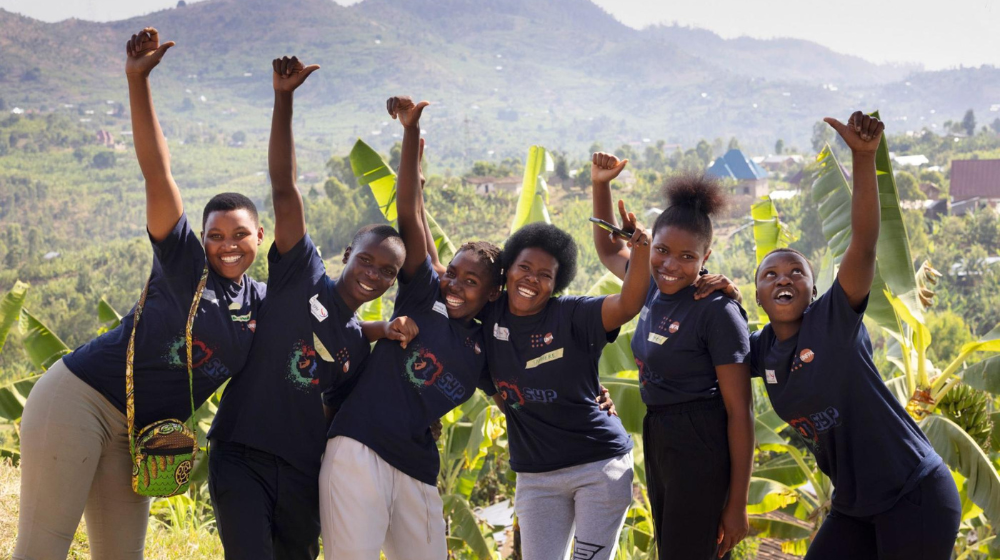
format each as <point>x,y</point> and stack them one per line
<point>785,330</point>
<point>519,313</point>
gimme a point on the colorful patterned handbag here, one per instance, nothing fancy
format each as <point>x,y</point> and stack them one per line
<point>163,452</point>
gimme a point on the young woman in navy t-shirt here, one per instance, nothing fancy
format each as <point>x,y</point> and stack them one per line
<point>378,482</point>
<point>692,355</point>
<point>893,497</point>
<point>573,462</point>
<point>74,435</point>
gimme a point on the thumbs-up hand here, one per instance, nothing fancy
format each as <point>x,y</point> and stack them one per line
<point>289,73</point>
<point>862,133</point>
<point>404,109</point>
<point>144,52</point>
<point>605,167</point>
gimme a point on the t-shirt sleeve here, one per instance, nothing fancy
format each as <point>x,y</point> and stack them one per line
<point>726,334</point>
<point>301,263</point>
<point>420,292</point>
<point>834,311</point>
<point>584,314</point>
<point>180,253</point>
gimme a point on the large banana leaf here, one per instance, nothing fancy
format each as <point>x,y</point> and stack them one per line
<point>782,529</point>
<point>964,455</point>
<point>106,313</point>
<point>833,194</point>
<point>14,395</point>
<point>628,401</point>
<point>768,495</point>
<point>372,310</point>
<point>10,309</point>
<point>465,526</point>
<point>370,169</point>
<point>769,233</point>
<point>990,342</point>
<point>42,345</point>
<point>531,204</point>
<point>984,375</point>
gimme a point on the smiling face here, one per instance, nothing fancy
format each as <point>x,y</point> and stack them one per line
<point>231,239</point>
<point>371,269</point>
<point>785,287</point>
<point>676,258</point>
<point>531,281</point>
<point>467,285</point>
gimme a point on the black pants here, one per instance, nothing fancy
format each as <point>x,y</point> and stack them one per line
<point>265,509</point>
<point>687,476</point>
<point>923,524</point>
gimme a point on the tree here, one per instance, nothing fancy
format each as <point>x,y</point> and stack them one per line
<point>239,137</point>
<point>103,160</point>
<point>969,122</point>
<point>187,104</point>
<point>734,144</point>
<point>395,153</point>
<point>704,151</point>
<point>820,136</point>
<point>995,125</point>
<point>562,166</point>
<point>779,146</point>
<point>908,187</point>
<point>181,3</point>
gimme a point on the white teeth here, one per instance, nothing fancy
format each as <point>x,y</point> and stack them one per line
<point>784,293</point>
<point>453,301</point>
<point>525,292</point>
<point>669,278</point>
<point>366,287</point>
<point>231,259</point>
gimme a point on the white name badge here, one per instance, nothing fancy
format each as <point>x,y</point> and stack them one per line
<point>441,308</point>
<point>656,338</point>
<point>544,359</point>
<point>770,377</point>
<point>317,309</point>
<point>500,333</point>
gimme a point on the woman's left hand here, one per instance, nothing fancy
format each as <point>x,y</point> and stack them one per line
<point>733,528</point>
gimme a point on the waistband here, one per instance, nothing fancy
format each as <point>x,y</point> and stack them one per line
<point>235,448</point>
<point>682,408</point>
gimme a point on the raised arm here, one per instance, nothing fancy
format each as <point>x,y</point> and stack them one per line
<point>163,199</point>
<point>862,135</point>
<point>613,252</point>
<point>408,196</point>
<point>432,251</point>
<point>620,308</point>
<point>289,215</point>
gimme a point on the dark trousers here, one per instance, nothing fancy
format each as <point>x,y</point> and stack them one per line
<point>687,476</point>
<point>265,509</point>
<point>923,524</point>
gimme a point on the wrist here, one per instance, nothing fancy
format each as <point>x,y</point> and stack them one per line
<point>281,95</point>
<point>137,77</point>
<point>864,156</point>
<point>412,128</point>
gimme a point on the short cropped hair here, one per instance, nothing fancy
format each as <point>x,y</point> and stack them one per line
<point>380,232</point>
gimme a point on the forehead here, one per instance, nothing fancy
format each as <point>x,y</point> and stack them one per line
<point>230,218</point>
<point>385,251</point>
<point>538,257</point>
<point>680,238</point>
<point>783,259</point>
<point>468,260</point>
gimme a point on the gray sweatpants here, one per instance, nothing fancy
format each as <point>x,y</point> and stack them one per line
<point>583,505</point>
<point>75,460</point>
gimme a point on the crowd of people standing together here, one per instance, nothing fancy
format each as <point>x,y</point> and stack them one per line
<point>325,426</point>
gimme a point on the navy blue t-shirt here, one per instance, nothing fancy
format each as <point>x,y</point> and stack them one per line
<point>308,340</point>
<point>824,384</point>
<point>545,368</point>
<point>222,332</point>
<point>400,392</point>
<point>680,340</point>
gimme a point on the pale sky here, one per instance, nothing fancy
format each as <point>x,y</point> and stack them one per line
<point>935,33</point>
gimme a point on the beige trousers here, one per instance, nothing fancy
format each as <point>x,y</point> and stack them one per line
<point>75,460</point>
<point>367,505</point>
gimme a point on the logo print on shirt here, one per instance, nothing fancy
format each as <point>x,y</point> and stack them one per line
<point>770,376</point>
<point>203,359</point>
<point>302,366</point>
<point>423,367</point>
<point>474,345</point>
<point>509,391</point>
<point>585,550</point>
<point>317,309</point>
<point>548,338</point>
<point>810,427</point>
<point>345,359</point>
<point>668,325</point>
<point>441,308</point>
<point>501,333</point>
<point>252,325</point>
<point>805,356</point>
<point>674,326</point>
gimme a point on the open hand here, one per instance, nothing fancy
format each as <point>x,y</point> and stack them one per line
<point>144,52</point>
<point>402,329</point>
<point>862,133</point>
<point>708,283</point>
<point>289,73</point>
<point>733,528</point>
<point>405,110</point>
<point>605,167</point>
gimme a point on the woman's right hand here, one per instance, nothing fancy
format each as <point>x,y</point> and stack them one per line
<point>144,52</point>
<point>605,167</point>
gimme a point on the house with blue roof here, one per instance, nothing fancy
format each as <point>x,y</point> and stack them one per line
<point>751,179</point>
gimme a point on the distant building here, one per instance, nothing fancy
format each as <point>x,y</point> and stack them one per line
<point>780,162</point>
<point>751,179</point>
<point>976,178</point>
<point>490,185</point>
<point>105,138</point>
<point>914,161</point>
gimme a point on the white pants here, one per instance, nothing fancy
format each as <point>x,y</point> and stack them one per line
<point>367,505</point>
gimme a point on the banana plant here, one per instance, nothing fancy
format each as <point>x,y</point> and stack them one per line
<point>769,233</point>
<point>531,203</point>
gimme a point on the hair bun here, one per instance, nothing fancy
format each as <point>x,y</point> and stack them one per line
<point>696,191</point>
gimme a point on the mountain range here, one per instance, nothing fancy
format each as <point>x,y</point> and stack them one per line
<point>503,74</point>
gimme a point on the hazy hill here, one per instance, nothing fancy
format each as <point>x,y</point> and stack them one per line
<point>503,74</point>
